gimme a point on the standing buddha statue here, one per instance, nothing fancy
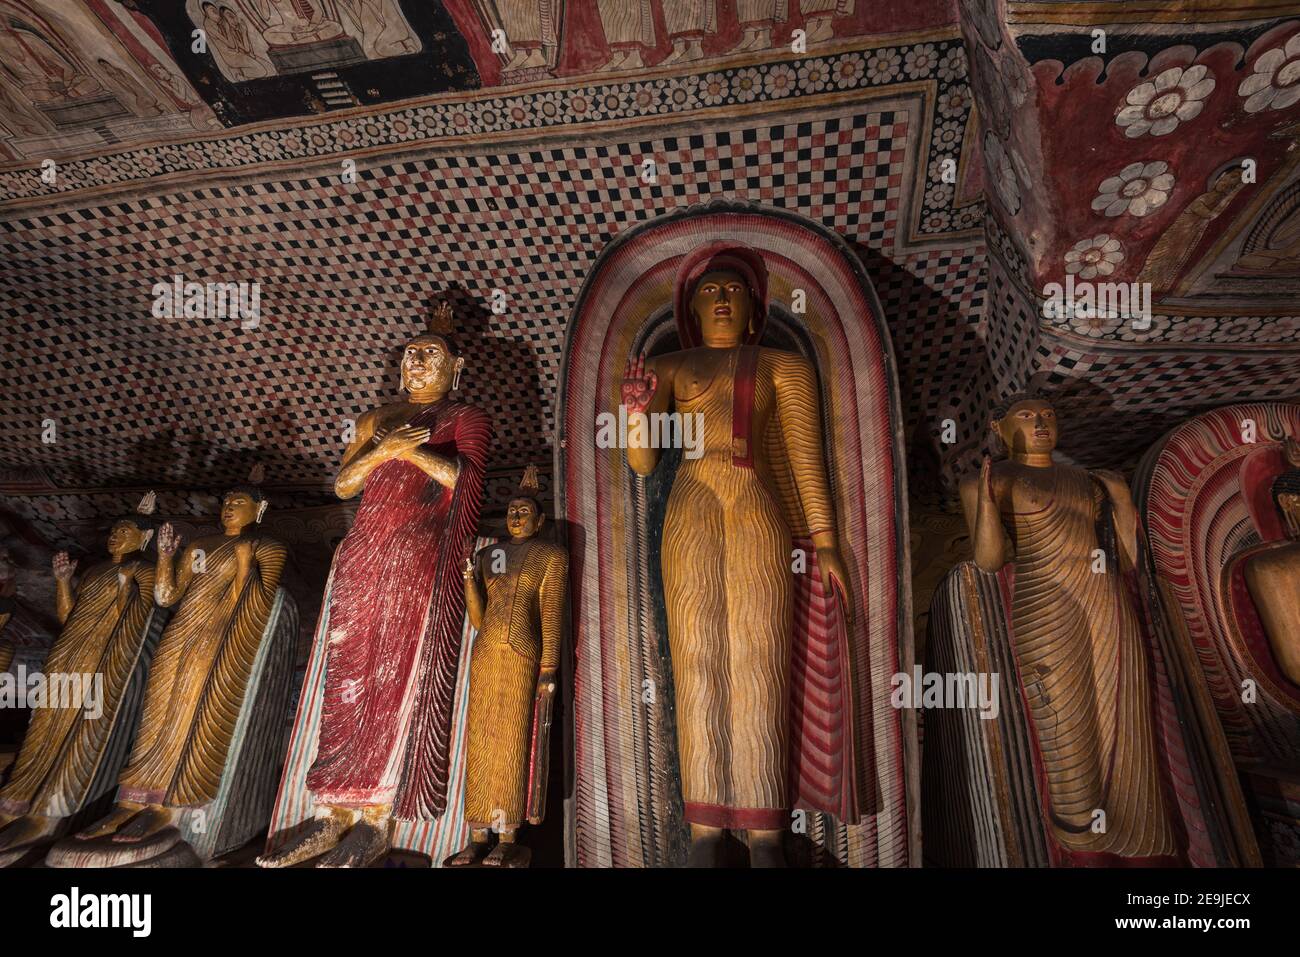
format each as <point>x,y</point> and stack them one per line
<point>394,612</point>
<point>223,588</point>
<point>514,594</point>
<point>727,547</point>
<point>1067,539</point>
<point>106,621</point>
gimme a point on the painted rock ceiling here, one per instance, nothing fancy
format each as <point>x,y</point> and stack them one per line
<point>363,159</point>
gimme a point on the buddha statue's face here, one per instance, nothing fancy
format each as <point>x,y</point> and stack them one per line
<point>238,509</point>
<point>428,365</point>
<point>1028,427</point>
<point>124,538</point>
<point>523,518</point>
<point>722,306</point>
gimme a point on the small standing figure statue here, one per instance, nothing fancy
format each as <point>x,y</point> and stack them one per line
<point>514,594</point>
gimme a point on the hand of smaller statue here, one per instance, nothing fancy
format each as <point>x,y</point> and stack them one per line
<point>467,572</point>
<point>1291,452</point>
<point>168,540</point>
<point>986,479</point>
<point>638,385</point>
<point>63,567</point>
<point>394,443</point>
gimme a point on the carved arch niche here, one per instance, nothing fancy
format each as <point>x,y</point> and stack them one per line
<point>623,804</point>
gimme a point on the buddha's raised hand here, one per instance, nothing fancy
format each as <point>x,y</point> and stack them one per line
<point>63,566</point>
<point>638,385</point>
<point>168,540</point>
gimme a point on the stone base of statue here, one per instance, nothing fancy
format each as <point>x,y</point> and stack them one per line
<point>984,801</point>
<point>242,805</point>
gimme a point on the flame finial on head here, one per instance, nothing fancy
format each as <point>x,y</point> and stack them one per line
<point>440,319</point>
<point>148,503</point>
<point>530,484</point>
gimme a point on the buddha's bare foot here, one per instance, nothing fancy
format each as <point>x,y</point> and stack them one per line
<point>109,824</point>
<point>144,825</point>
<point>317,838</point>
<point>27,830</point>
<point>503,855</point>
<point>765,849</point>
<point>365,844</point>
<point>471,853</point>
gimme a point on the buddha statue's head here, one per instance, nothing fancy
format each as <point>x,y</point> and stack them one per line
<point>720,296</point>
<point>240,508</point>
<point>524,516</point>
<point>723,307</point>
<point>1026,425</point>
<point>128,535</point>
<point>429,367</point>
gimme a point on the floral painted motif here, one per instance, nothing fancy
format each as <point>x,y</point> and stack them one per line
<point>1093,257</point>
<point>1157,106</point>
<point>849,70</point>
<point>1275,82</point>
<point>1138,188</point>
<point>883,65</point>
<point>920,61</point>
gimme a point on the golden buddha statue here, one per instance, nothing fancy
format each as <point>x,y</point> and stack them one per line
<point>223,587</point>
<point>1272,574</point>
<point>726,555</point>
<point>394,614</point>
<point>514,594</point>
<point>106,622</point>
<point>1077,638</point>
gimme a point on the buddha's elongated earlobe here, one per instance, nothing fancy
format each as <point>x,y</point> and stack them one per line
<point>455,380</point>
<point>261,510</point>
<point>145,538</point>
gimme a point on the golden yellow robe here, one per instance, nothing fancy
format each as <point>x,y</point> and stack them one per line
<point>728,590</point>
<point>199,676</point>
<point>103,635</point>
<point>1083,663</point>
<point>519,638</point>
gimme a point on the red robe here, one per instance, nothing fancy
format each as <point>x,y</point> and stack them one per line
<point>396,612</point>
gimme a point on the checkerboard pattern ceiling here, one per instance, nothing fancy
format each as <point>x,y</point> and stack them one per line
<point>347,271</point>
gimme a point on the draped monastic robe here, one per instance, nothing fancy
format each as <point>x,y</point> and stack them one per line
<point>1080,649</point>
<point>200,673</point>
<point>396,613</point>
<point>64,747</point>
